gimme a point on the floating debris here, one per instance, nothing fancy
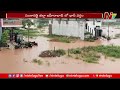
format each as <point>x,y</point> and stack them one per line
<point>25,60</point>
<point>113,60</point>
<point>37,61</point>
<point>48,63</point>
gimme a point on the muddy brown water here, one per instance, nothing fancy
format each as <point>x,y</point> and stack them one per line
<point>20,60</point>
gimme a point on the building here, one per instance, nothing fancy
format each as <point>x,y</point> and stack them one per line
<point>9,23</point>
<point>75,27</point>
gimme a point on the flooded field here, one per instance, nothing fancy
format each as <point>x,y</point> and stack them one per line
<point>20,60</point>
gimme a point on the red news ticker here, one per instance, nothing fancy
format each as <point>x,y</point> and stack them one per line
<point>54,15</point>
<point>61,76</point>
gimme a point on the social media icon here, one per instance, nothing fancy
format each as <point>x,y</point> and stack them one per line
<point>13,75</point>
<point>9,75</point>
<point>17,75</point>
<point>21,75</point>
<point>46,75</point>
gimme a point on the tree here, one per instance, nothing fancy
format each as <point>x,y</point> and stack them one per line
<point>28,23</point>
<point>4,37</point>
<point>42,22</point>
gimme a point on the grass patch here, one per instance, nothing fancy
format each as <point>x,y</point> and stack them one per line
<point>86,54</point>
<point>110,51</point>
<point>90,57</point>
<point>89,39</point>
<point>87,33</point>
<point>60,38</point>
<point>75,51</point>
<point>91,60</point>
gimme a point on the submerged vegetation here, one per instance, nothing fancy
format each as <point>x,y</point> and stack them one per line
<point>75,51</point>
<point>90,54</point>
<point>110,51</point>
<point>85,55</point>
<point>52,53</point>
<point>60,38</point>
<point>38,61</point>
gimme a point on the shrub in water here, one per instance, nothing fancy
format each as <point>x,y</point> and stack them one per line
<point>60,52</point>
<point>39,62</point>
<point>35,60</point>
<point>75,51</point>
<point>52,53</point>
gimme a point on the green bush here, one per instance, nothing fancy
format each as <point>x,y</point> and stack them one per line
<point>52,53</point>
<point>35,60</point>
<point>4,37</point>
<point>90,39</point>
<point>40,62</point>
<point>75,51</point>
<point>60,52</point>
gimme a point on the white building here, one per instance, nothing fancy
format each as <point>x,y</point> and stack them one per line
<point>77,27</point>
<point>73,27</point>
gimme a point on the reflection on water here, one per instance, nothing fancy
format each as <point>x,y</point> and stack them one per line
<point>11,61</point>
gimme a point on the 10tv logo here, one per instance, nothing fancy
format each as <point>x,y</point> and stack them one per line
<point>109,16</point>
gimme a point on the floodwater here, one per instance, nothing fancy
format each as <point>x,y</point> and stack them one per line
<point>20,60</point>
<point>78,43</point>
